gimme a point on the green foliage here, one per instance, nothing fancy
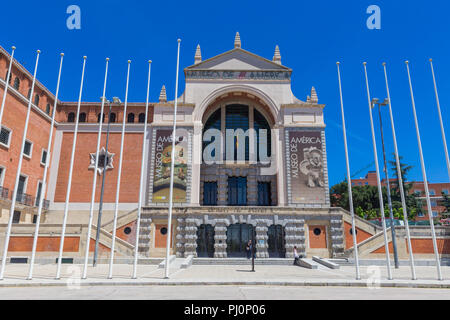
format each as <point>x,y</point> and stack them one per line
<point>366,200</point>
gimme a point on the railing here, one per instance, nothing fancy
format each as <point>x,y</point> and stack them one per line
<point>31,201</point>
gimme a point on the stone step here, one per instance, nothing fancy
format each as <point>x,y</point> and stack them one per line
<point>241,261</point>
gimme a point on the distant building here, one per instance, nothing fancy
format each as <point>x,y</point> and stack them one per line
<point>436,191</point>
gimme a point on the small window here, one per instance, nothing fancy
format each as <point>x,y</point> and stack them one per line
<point>36,100</point>
<point>112,118</point>
<point>44,157</point>
<point>82,117</point>
<point>5,135</point>
<point>421,214</point>
<point>35,219</point>
<point>127,230</point>
<point>71,117</point>
<point>435,214</point>
<point>417,192</point>
<point>16,217</point>
<point>351,231</point>
<point>8,77</point>
<point>131,118</point>
<point>29,94</point>
<point>164,231</point>
<point>142,118</point>
<point>48,109</point>
<point>2,170</point>
<point>317,231</point>
<point>434,203</point>
<point>445,191</point>
<point>17,83</point>
<point>28,149</point>
<point>98,118</point>
<point>432,192</point>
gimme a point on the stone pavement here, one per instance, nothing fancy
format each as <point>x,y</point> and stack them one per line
<point>219,275</point>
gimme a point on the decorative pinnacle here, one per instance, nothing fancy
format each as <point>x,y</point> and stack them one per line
<point>277,55</point>
<point>314,97</point>
<point>237,40</point>
<point>198,55</point>
<point>163,95</point>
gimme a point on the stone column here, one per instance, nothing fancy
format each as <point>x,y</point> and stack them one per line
<point>295,236</point>
<point>337,237</point>
<point>190,237</point>
<point>261,234</point>
<point>145,235</point>
<point>220,239</point>
<point>180,240</point>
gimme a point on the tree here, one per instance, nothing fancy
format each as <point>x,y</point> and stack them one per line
<point>446,202</point>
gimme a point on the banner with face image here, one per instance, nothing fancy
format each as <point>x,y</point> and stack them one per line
<point>306,167</point>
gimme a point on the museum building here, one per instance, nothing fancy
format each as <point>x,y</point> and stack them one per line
<point>274,187</point>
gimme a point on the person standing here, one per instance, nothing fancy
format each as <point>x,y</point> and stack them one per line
<point>296,256</point>
<point>249,249</point>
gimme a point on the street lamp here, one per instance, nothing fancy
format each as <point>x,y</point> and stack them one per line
<point>105,164</point>
<point>375,101</point>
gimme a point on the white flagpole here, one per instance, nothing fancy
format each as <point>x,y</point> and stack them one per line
<point>69,183</point>
<point>349,181</point>
<point>380,191</point>
<point>169,231</point>
<point>440,119</point>
<point>44,183</point>
<point>400,179</point>
<point>116,209</point>
<point>94,183</point>
<point>424,173</point>
<point>19,169</point>
<point>5,93</point>
<point>141,181</point>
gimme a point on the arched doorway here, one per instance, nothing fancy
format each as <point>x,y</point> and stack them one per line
<point>205,241</point>
<point>238,236</point>
<point>276,242</point>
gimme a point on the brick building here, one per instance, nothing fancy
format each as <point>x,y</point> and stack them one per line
<point>436,191</point>
<point>219,205</point>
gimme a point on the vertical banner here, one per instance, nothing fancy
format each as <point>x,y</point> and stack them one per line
<point>306,167</point>
<point>162,164</point>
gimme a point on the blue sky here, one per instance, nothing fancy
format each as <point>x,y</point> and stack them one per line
<point>312,36</point>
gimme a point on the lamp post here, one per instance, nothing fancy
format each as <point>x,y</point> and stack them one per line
<point>105,164</point>
<point>375,101</point>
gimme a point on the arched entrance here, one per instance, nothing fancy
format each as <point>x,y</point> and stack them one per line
<point>238,236</point>
<point>205,241</point>
<point>276,242</point>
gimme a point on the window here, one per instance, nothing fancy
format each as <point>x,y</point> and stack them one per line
<point>112,118</point>
<point>421,214</point>
<point>82,117</point>
<point>36,100</point>
<point>435,214</point>
<point>71,117</point>
<point>317,232</point>
<point>2,170</point>
<point>38,193</point>
<point>433,203</point>
<point>214,122</point>
<point>210,193</point>
<point>35,219</point>
<point>432,192</point>
<point>28,149</point>
<point>237,118</point>
<point>260,123</point>
<point>17,83</point>
<point>417,192</point>
<point>16,217</point>
<point>142,118</point>
<point>47,109</point>
<point>8,76</point>
<point>264,196</point>
<point>29,94</point>
<point>445,191</point>
<point>237,191</point>
<point>44,157</point>
<point>22,186</point>
<point>5,135</point>
<point>131,118</point>
<point>98,118</point>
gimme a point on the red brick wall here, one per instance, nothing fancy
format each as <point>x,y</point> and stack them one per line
<point>83,177</point>
<point>424,246</point>
<point>360,235</point>
<point>38,133</point>
<point>317,242</point>
<point>45,244</point>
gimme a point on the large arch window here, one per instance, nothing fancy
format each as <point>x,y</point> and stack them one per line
<point>238,117</point>
<point>71,117</point>
<point>131,118</point>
